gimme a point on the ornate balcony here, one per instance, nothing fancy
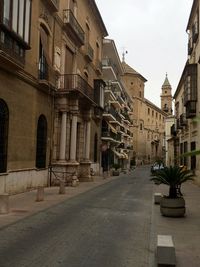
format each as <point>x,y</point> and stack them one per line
<point>12,54</point>
<point>89,52</point>
<point>190,83</point>
<point>77,86</point>
<point>73,28</point>
<point>191,109</point>
<point>109,69</point>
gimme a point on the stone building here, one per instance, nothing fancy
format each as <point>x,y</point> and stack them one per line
<point>148,120</point>
<point>50,54</point>
<point>80,91</point>
<point>116,123</point>
<point>186,129</point>
<point>26,100</point>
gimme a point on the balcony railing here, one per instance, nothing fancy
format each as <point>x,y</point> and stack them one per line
<point>108,134</point>
<point>73,28</point>
<point>190,83</point>
<point>191,109</point>
<point>12,51</point>
<point>89,52</point>
<point>190,46</point>
<point>54,5</point>
<point>195,31</point>
<point>75,83</point>
<point>183,121</point>
<point>107,62</point>
<point>43,72</point>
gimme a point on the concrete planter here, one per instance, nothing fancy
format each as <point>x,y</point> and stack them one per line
<point>172,207</point>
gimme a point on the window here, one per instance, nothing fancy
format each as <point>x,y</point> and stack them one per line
<point>95,147</point>
<point>148,111</point>
<point>141,126</point>
<point>44,61</point>
<point>152,113</point>
<point>16,17</point>
<point>41,142</point>
<point>4,119</point>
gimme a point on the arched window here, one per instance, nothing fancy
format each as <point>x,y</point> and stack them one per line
<point>44,61</point>
<point>4,118</point>
<point>95,147</point>
<point>41,142</point>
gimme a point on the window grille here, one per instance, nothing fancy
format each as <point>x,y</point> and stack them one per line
<point>41,142</point>
<point>4,118</point>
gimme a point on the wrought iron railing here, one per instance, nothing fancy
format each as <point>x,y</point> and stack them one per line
<point>89,52</point>
<point>11,48</point>
<point>69,19</point>
<point>74,82</point>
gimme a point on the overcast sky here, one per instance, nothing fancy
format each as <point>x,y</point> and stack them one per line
<point>154,34</point>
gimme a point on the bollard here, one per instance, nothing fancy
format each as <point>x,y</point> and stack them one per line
<point>40,193</point>
<point>75,181</point>
<point>157,198</point>
<point>62,187</point>
<point>4,203</point>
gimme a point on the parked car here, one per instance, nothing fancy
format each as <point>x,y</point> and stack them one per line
<point>157,166</point>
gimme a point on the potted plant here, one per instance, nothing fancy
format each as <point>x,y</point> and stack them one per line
<point>116,167</point>
<point>172,205</point>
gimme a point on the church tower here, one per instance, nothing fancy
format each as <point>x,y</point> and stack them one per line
<point>166,97</point>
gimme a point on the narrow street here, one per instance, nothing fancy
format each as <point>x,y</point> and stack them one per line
<point>108,226</point>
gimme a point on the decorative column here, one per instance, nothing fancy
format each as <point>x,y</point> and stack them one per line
<point>85,165</point>
<point>63,136</point>
<point>73,137</point>
<point>88,138</point>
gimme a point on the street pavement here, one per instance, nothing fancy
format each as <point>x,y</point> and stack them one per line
<point>110,222</point>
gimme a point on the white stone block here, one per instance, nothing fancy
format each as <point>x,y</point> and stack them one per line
<point>40,193</point>
<point>165,251</point>
<point>4,203</point>
<point>157,198</point>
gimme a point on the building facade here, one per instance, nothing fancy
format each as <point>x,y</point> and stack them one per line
<point>116,124</point>
<point>148,120</point>
<point>187,100</point>
<point>51,92</point>
<point>80,92</point>
<point>25,101</point>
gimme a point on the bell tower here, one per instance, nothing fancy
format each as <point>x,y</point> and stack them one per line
<point>166,97</point>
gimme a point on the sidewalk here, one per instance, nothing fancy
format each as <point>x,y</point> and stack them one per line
<point>185,231</point>
<point>24,204</point>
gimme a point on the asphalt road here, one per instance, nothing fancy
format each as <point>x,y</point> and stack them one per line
<point>108,226</point>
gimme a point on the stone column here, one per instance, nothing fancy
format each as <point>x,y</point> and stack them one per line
<point>63,136</point>
<point>88,134</point>
<point>73,137</point>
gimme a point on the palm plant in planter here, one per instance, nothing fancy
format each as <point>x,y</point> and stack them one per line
<point>172,205</point>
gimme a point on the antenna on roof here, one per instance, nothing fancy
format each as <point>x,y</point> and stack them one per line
<point>123,54</point>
